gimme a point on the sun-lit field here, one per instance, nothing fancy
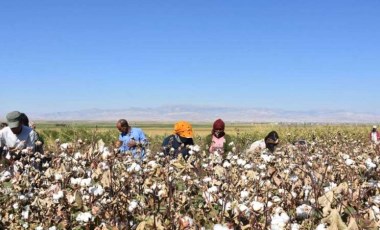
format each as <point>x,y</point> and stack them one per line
<point>332,183</point>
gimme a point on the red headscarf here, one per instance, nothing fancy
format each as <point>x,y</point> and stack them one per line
<point>218,125</point>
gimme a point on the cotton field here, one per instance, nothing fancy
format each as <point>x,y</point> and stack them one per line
<point>332,183</point>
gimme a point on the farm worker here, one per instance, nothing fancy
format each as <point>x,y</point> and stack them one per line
<point>218,140</point>
<point>132,139</point>
<point>179,141</point>
<point>39,142</point>
<point>17,136</point>
<point>374,135</point>
<point>270,142</point>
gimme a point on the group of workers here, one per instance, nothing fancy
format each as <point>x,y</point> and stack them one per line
<point>18,134</point>
<point>133,140</point>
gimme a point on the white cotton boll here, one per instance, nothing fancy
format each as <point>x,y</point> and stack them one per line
<point>267,158</point>
<point>106,153</point>
<point>85,182</point>
<point>303,211</point>
<point>244,194</point>
<point>57,196</point>
<point>310,163</point>
<point>248,166</point>
<point>257,206</point>
<point>242,207</point>
<point>75,181</point>
<point>295,226</point>
<point>186,177</point>
<point>370,164</point>
<point>161,154</point>
<point>15,206</point>
<point>25,213</point>
<point>262,166</point>
<point>345,156</point>
<point>58,176</point>
<point>330,187</point>
<point>53,228</point>
<point>39,228</point>
<point>293,178</point>
<point>226,164</point>
<point>148,191</point>
<point>5,176</point>
<point>220,227</point>
<point>84,217</point>
<point>276,199</point>
<point>207,179</point>
<point>64,146</point>
<point>235,157</point>
<point>279,220</point>
<point>132,206</point>
<point>22,197</point>
<point>349,162</point>
<point>152,164</point>
<point>213,189</point>
<point>96,190</point>
<point>321,227</point>
<point>161,193</point>
<point>77,156</point>
<point>241,162</point>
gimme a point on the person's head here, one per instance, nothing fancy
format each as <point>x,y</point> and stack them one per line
<point>14,121</point>
<point>183,129</point>
<point>374,128</point>
<point>218,128</point>
<point>271,140</point>
<point>122,125</point>
<point>24,119</point>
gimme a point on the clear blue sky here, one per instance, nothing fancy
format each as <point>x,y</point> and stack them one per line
<point>65,55</point>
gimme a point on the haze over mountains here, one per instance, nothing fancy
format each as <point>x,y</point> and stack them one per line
<point>210,113</point>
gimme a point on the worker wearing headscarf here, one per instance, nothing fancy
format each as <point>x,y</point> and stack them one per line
<point>179,141</point>
<point>218,140</point>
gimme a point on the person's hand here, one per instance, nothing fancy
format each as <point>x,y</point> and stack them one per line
<point>131,143</point>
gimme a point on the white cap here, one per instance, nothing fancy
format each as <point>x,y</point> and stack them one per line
<point>375,127</point>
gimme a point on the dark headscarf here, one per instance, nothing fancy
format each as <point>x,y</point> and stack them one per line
<point>218,128</point>
<point>271,140</point>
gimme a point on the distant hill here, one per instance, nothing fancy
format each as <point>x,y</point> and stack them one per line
<point>209,113</point>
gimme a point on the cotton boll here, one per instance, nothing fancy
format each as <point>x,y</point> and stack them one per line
<point>132,206</point>
<point>244,194</point>
<point>303,211</point>
<point>84,217</point>
<point>349,162</point>
<point>321,227</point>
<point>220,227</point>
<point>257,206</point>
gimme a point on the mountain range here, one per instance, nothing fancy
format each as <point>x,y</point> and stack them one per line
<point>210,113</point>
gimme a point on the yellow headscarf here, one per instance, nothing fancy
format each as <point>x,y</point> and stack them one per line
<point>183,129</point>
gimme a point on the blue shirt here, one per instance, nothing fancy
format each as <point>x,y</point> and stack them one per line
<point>137,135</point>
